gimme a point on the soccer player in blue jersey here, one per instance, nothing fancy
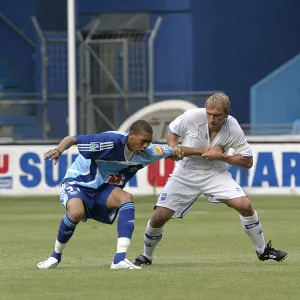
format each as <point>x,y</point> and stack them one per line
<point>93,186</point>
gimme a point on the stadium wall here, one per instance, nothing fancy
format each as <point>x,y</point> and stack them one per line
<point>23,171</point>
<point>238,43</point>
<point>15,53</point>
<point>202,45</point>
<point>281,84</point>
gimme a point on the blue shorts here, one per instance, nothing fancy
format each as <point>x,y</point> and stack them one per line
<point>94,201</point>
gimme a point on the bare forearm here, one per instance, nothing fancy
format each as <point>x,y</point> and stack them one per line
<point>237,160</point>
<point>66,143</point>
<point>188,151</point>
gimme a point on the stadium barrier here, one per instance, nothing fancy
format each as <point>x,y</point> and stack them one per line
<point>23,171</point>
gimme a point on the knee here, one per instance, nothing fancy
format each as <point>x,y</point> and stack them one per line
<point>126,197</point>
<point>160,216</point>
<point>76,215</point>
<point>246,209</point>
<point>76,211</point>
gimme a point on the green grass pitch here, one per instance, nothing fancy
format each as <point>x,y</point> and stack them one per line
<point>205,256</point>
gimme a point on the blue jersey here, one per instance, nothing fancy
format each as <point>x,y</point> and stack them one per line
<point>102,159</point>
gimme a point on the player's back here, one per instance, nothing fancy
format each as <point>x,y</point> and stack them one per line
<point>105,158</point>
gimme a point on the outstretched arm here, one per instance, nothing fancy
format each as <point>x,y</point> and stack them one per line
<point>180,152</point>
<point>189,151</point>
<point>66,143</point>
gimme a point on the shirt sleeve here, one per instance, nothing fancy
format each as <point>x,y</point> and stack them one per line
<point>178,126</point>
<point>239,142</point>
<point>156,152</point>
<point>95,146</point>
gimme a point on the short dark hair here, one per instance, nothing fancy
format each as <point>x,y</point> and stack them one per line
<point>141,125</point>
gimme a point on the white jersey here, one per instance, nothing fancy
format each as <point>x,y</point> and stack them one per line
<point>192,127</point>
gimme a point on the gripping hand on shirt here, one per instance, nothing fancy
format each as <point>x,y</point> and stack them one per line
<point>179,152</point>
<point>214,153</point>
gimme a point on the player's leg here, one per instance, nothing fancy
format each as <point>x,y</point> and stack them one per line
<point>153,234</point>
<point>75,213</point>
<point>124,201</point>
<point>174,201</point>
<point>249,221</point>
<point>222,187</point>
<point>110,200</point>
<point>253,228</point>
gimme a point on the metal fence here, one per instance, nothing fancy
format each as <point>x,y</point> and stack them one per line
<point>117,68</point>
<point>115,75</point>
<point>115,78</point>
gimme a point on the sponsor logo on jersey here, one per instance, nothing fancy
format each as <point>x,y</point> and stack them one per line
<point>158,150</point>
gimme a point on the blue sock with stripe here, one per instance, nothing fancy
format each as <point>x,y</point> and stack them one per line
<point>125,230</point>
<point>65,232</point>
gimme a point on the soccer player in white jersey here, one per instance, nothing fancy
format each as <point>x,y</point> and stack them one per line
<point>207,175</point>
<point>93,186</point>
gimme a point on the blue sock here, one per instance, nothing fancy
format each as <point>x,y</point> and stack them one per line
<point>119,257</point>
<point>126,220</point>
<point>125,229</point>
<point>56,255</point>
<point>65,232</point>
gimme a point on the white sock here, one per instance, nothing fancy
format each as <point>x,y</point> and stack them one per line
<point>253,229</point>
<point>151,239</point>
<point>123,244</point>
<point>59,247</point>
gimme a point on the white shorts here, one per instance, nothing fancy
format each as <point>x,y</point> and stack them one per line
<point>184,187</point>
